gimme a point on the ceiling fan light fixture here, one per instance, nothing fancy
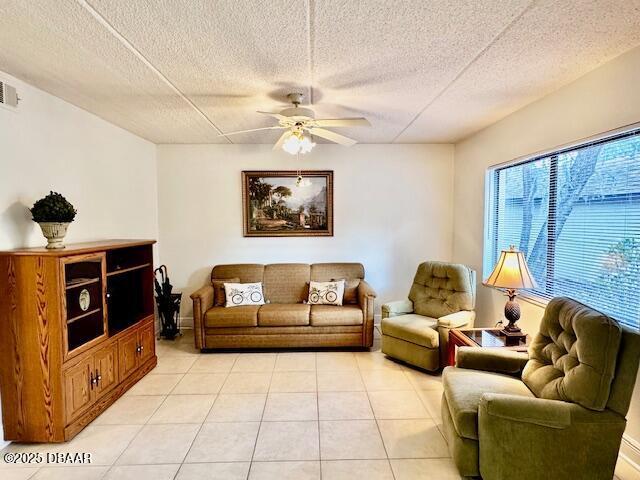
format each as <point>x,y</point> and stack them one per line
<point>298,143</point>
<point>306,145</point>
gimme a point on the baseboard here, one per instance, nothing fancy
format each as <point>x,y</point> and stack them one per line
<point>186,322</point>
<point>630,452</point>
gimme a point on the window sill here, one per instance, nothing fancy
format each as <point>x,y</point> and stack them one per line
<point>532,298</point>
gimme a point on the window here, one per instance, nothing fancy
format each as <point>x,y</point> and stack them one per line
<point>575,214</point>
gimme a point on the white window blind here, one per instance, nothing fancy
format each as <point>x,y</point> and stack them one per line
<point>575,214</point>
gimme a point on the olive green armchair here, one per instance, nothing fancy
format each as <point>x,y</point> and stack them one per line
<point>559,413</point>
<point>416,330</point>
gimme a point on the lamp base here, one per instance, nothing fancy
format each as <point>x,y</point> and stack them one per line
<point>513,339</point>
<point>512,314</point>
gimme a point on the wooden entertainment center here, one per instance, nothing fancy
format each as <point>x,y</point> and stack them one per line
<point>76,332</point>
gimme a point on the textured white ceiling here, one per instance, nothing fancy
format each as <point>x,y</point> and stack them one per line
<point>183,71</point>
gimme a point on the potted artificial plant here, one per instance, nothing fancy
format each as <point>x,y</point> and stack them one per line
<point>54,214</point>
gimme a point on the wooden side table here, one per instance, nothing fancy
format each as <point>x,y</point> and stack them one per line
<point>482,337</point>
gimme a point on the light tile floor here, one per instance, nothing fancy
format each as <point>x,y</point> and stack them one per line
<point>326,415</point>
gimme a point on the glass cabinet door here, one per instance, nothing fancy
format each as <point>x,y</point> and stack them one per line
<point>84,300</point>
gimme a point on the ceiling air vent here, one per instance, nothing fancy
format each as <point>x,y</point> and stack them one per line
<point>8,95</point>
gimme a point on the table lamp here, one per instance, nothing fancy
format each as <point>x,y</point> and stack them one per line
<point>511,272</point>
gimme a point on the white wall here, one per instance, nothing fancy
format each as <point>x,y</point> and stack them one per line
<point>392,210</point>
<point>107,173</point>
<point>602,100</point>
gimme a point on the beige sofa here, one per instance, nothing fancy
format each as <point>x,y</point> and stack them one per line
<point>285,321</point>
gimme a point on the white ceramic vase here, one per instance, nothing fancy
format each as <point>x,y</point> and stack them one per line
<point>54,232</point>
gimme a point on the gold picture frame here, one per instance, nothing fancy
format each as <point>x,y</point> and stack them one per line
<point>287,203</point>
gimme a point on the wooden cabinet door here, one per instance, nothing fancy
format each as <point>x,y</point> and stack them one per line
<point>147,342</point>
<point>128,354</point>
<point>105,363</point>
<point>78,389</point>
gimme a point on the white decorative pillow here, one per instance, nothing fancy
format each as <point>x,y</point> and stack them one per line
<point>237,294</point>
<point>326,293</point>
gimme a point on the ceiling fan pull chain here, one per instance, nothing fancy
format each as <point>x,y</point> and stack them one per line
<point>298,173</point>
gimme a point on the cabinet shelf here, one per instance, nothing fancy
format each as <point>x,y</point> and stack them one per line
<point>85,314</point>
<point>81,282</point>
<point>130,269</point>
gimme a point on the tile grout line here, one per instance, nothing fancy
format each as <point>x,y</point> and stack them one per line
<point>203,422</point>
<point>414,380</point>
<point>315,358</point>
<point>264,408</point>
<point>115,462</point>
<point>384,446</point>
<point>205,418</point>
<point>147,423</point>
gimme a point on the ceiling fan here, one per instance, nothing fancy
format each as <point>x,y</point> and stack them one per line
<point>298,120</point>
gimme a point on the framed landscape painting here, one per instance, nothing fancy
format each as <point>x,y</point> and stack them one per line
<point>287,203</point>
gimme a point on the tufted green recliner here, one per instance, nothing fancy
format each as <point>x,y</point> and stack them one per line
<point>416,330</point>
<point>558,413</point>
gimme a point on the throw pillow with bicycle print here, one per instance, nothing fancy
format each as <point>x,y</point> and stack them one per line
<point>326,293</point>
<point>238,294</point>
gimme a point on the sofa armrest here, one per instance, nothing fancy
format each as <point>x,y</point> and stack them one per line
<point>498,360</point>
<point>531,410</point>
<point>202,301</point>
<point>399,307</point>
<point>366,296</point>
<point>527,437</point>
<point>545,413</point>
<point>364,289</point>
<point>457,319</point>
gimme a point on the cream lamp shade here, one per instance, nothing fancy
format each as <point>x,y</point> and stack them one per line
<point>511,271</point>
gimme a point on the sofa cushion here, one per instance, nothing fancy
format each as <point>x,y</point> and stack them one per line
<point>326,293</point>
<point>333,315</point>
<point>412,328</point>
<point>442,288</point>
<point>239,294</point>
<point>463,390</point>
<point>246,272</point>
<point>350,290</point>
<point>244,316</point>
<point>286,282</point>
<point>573,356</point>
<point>283,314</point>
<point>219,296</point>
<point>325,272</point>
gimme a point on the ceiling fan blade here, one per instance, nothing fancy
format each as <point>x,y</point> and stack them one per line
<point>281,140</point>
<point>251,130</point>
<point>274,115</point>
<point>342,122</point>
<point>334,137</point>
